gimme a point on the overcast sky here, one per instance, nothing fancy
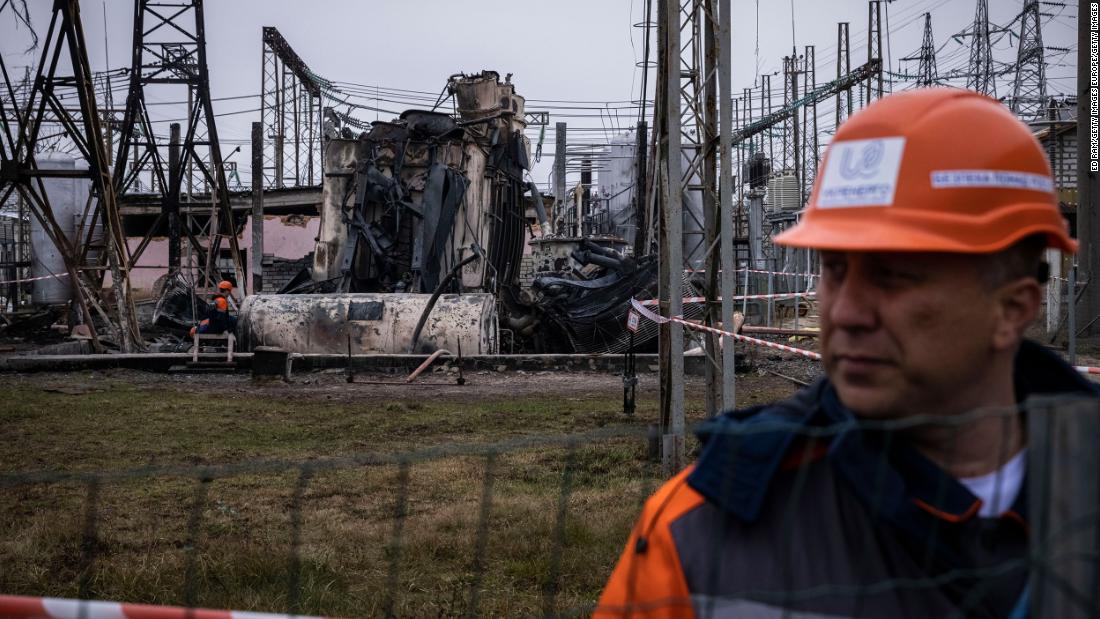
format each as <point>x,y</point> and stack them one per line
<point>565,50</point>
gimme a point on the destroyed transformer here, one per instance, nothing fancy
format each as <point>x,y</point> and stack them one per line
<point>423,212</point>
<point>422,235</point>
<point>410,200</point>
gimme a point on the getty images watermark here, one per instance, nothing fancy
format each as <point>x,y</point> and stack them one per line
<point>1094,86</point>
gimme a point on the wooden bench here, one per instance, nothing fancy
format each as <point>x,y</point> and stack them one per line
<point>228,337</point>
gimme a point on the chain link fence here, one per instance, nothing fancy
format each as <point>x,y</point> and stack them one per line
<point>525,527</point>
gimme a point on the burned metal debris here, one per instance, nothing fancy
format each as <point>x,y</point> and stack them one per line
<point>430,206</point>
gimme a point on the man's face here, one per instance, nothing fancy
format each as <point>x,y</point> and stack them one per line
<point>903,333</point>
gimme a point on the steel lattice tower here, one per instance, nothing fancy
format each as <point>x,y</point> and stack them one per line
<point>291,116</point>
<point>926,72</point>
<point>981,76</point>
<point>693,116</point>
<point>844,99</point>
<point>811,147</point>
<point>45,118</point>
<point>874,48</point>
<point>169,49</point>
<point>1029,88</point>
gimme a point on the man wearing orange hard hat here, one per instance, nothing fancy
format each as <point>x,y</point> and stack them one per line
<point>895,485</point>
<point>218,319</point>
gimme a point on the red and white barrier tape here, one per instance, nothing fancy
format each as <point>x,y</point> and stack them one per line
<point>639,306</point>
<point>809,354</point>
<point>788,273</point>
<point>34,279</point>
<point>1063,279</point>
<point>810,275</point>
<point>786,295</point>
<point>57,608</point>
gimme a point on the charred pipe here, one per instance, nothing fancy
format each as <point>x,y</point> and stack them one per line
<point>521,322</point>
<point>438,291</point>
<point>625,263</point>
<point>585,256</point>
<point>598,249</point>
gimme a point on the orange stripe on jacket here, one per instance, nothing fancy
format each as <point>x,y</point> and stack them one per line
<point>650,583</point>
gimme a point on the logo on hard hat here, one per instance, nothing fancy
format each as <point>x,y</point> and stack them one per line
<point>864,165</point>
<point>861,173</point>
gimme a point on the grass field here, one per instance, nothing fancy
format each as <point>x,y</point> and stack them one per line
<point>325,541</point>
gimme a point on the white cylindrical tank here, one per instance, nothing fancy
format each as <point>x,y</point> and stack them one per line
<point>783,192</point>
<point>67,197</point>
<point>381,323</point>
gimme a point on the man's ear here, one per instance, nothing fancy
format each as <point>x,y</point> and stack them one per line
<point>1017,306</point>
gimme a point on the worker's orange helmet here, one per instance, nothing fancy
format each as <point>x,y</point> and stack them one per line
<point>221,303</point>
<point>225,285</point>
<point>934,169</point>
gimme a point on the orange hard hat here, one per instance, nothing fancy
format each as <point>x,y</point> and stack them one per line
<point>221,303</point>
<point>933,169</point>
<point>225,284</point>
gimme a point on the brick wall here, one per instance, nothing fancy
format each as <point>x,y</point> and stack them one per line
<point>527,270</point>
<point>279,271</point>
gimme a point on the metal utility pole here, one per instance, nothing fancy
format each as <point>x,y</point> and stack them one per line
<point>585,207</point>
<point>640,157</point>
<point>709,145</point>
<point>792,149</point>
<point>1029,88</point>
<point>257,207</point>
<point>19,170</point>
<point>843,67</point>
<point>981,76</point>
<point>756,228</point>
<point>766,109</point>
<point>725,191</point>
<point>559,170</point>
<point>672,253</point>
<point>169,48</point>
<point>290,109</point>
<point>746,96</point>
<point>809,126</point>
<point>926,69</point>
<point>171,204</point>
<point>790,121</point>
<point>671,246</point>
<point>874,47</point>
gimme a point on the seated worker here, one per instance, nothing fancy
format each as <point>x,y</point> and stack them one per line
<point>931,212</point>
<point>218,319</point>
